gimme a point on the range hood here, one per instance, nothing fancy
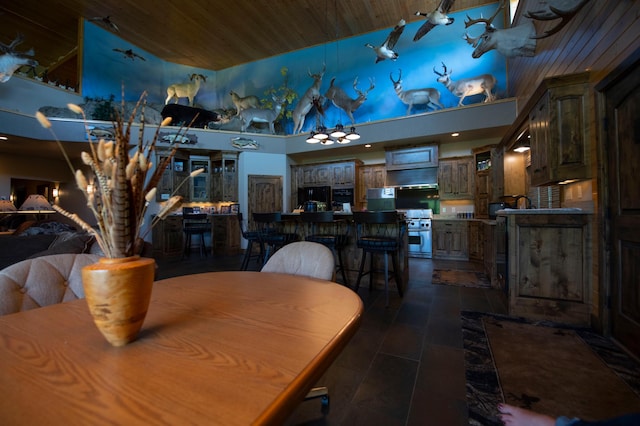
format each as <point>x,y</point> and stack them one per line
<point>413,178</point>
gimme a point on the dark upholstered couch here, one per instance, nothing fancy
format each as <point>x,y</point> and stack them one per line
<point>41,239</point>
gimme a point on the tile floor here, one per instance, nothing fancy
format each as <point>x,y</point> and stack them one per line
<point>405,365</point>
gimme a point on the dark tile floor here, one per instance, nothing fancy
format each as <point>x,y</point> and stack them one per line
<point>405,365</point>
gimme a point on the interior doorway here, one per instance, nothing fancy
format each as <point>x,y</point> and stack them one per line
<point>622,96</point>
<point>264,195</point>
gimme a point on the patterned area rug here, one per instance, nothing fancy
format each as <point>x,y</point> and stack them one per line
<point>460,278</point>
<point>569,371</point>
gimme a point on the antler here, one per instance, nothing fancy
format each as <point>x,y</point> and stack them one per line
<point>399,77</point>
<point>372,85</point>
<point>471,40</point>
<point>565,15</point>
<point>470,21</point>
<point>8,48</point>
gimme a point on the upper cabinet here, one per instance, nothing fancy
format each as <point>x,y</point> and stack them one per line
<point>560,129</point>
<point>412,158</point>
<point>200,183</point>
<point>172,181</point>
<point>224,177</point>
<point>456,178</point>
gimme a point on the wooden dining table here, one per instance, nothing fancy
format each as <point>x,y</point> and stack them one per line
<point>232,348</point>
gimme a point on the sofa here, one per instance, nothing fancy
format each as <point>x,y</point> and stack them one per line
<point>35,239</point>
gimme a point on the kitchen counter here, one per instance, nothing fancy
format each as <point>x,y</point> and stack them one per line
<point>564,210</point>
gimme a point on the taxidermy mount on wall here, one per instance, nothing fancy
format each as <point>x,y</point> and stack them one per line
<point>428,95</point>
<point>11,60</point>
<point>185,90</point>
<point>510,42</point>
<point>438,16</point>
<point>385,50</point>
<point>262,115</point>
<point>341,100</point>
<point>554,9</point>
<point>129,53</point>
<point>241,103</point>
<point>468,86</point>
<point>306,101</point>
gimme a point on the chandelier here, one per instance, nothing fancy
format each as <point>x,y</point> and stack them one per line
<point>338,135</point>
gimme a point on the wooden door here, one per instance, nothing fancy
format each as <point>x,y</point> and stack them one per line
<point>623,141</point>
<point>265,195</point>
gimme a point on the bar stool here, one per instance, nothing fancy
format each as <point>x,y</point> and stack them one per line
<point>273,232</point>
<point>197,224</point>
<point>379,233</point>
<point>251,237</point>
<point>323,228</point>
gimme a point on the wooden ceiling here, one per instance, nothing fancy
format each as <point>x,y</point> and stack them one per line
<point>203,33</point>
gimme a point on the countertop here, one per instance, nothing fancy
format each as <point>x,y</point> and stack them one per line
<point>565,210</point>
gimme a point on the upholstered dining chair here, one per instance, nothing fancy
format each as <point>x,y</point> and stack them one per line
<point>42,281</point>
<point>309,259</point>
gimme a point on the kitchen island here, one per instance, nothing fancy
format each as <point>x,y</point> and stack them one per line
<point>549,264</point>
<point>352,255</point>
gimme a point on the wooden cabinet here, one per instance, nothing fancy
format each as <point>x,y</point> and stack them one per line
<point>456,178</point>
<point>476,240</point>
<point>167,238</point>
<point>174,177</point>
<point>338,175</point>
<point>484,181</point>
<point>412,158</point>
<point>450,239</point>
<point>370,176</point>
<point>489,235</point>
<point>224,177</point>
<point>316,175</point>
<point>560,129</point>
<point>549,273</point>
<point>226,235</point>
<point>343,175</point>
<point>200,184</point>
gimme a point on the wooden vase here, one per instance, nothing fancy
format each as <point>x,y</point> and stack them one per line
<point>118,292</point>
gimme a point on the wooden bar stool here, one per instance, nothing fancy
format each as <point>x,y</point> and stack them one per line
<point>323,228</point>
<point>379,233</point>
<point>252,237</point>
<point>197,224</point>
<point>273,232</point>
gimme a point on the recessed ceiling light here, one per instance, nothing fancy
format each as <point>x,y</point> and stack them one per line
<point>3,138</point>
<point>455,134</point>
<point>368,145</point>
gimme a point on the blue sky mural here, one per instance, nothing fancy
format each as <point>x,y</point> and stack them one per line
<point>105,70</point>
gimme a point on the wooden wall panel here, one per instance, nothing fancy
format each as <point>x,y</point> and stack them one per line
<point>597,39</point>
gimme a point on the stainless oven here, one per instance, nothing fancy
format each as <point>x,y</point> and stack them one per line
<point>419,233</point>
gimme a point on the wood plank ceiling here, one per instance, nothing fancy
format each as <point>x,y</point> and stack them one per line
<point>203,33</point>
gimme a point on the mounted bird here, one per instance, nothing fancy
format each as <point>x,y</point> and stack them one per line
<point>106,22</point>
<point>385,50</point>
<point>129,53</point>
<point>438,16</point>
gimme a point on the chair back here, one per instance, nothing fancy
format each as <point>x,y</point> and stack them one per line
<point>42,281</point>
<point>195,223</point>
<point>378,226</point>
<point>303,258</point>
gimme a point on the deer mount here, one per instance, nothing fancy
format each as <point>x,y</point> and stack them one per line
<point>341,100</point>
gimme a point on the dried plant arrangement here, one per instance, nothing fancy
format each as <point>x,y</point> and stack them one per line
<point>124,186</point>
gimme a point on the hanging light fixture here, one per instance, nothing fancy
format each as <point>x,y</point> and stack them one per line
<point>338,134</point>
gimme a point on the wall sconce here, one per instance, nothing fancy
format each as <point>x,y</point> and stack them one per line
<point>55,192</point>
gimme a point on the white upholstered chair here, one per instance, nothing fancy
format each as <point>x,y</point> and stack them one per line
<point>42,281</point>
<point>303,258</point>
<point>310,260</point>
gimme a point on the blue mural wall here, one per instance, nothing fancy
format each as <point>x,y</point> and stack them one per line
<point>106,70</point>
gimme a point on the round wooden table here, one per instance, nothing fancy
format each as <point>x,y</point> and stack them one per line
<point>216,348</point>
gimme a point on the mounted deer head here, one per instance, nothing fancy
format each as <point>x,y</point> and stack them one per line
<point>510,42</point>
<point>554,9</point>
